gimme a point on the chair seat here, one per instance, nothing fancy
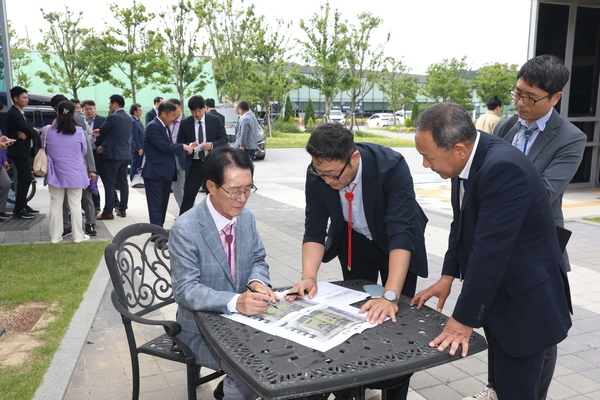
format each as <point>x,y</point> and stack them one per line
<point>162,346</point>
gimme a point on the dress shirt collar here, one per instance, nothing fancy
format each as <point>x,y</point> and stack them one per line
<point>465,172</point>
<point>160,120</point>
<point>357,180</point>
<point>541,123</point>
<point>220,221</point>
<point>196,120</point>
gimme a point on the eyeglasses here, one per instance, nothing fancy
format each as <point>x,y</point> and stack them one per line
<point>528,101</point>
<point>312,170</point>
<point>238,193</point>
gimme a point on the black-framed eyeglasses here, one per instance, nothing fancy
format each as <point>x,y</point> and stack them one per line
<point>312,170</point>
<point>528,101</point>
<point>238,193</point>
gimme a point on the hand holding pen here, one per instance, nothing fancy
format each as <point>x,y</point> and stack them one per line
<point>265,295</point>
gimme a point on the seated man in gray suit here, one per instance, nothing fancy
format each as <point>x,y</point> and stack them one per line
<point>215,252</point>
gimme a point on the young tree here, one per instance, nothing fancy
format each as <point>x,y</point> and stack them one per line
<point>229,39</point>
<point>325,52</point>
<point>447,81</point>
<point>309,114</point>
<point>495,80</point>
<point>184,69</point>
<point>19,58</point>
<point>64,50</point>
<point>129,48</point>
<point>288,115</point>
<point>363,58</point>
<point>399,89</point>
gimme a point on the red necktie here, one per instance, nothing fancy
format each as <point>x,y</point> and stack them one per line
<point>350,196</point>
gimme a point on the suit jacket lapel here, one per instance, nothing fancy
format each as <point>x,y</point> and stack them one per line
<point>544,137</point>
<point>369,185</point>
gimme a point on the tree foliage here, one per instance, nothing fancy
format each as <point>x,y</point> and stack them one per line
<point>309,114</point>
<point>363,59</point>
<point>180,34</point>
<point>230,38</point>
<point>447,81</point>
<point>288,115</point>
<point>325,51</point>
<point>495,80</point>
<point>19,58</point>
<point>399,89</point>
<point>65,52</point>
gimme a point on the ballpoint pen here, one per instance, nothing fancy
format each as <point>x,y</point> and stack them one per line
<point>250,288</point>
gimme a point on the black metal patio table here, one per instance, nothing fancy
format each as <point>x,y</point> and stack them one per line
<point>278,368</point>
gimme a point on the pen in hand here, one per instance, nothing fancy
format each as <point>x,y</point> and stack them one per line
<point>250,288</point>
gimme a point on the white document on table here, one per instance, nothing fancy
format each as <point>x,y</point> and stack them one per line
<point>321,323</point>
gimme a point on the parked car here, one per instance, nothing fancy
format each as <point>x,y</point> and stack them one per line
<point>337,116</point>
<point>380,119</point>
<point>231,119</point>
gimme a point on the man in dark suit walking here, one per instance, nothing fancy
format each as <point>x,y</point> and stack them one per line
<point>137,140</point>
<point>116,132</point>
<point>204,132</point>
<point>153,112</point>
<point>503,246</point>
<point>160,169</point>
<point>93,122</point>
<point>210,109</point>
<point>17,127</point>
<point>361,207</point>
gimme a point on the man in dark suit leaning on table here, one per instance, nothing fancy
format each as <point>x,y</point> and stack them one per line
<point>502,244</point>
<point>387,224</point>
<point>216,252</point>
<point>205,132</point>
<point>160,168</point>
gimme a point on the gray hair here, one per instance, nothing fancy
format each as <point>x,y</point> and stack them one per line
<point>448,123</point>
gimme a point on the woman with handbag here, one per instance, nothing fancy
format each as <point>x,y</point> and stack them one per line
<point>65,147</point>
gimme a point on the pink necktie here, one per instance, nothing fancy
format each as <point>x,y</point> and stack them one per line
<point>228,240</point>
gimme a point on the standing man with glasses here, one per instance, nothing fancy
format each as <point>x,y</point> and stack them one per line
<point>376,226</point>
<point>216,252</point>
<point>555,146</point>
<point>204,132</point>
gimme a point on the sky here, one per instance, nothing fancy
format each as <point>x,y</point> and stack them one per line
<point>423,32</point>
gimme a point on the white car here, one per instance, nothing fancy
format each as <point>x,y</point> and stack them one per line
<point>337,116</point>
<point>380,119</point>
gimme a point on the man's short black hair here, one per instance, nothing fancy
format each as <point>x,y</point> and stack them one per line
<point>244,106</point>
<point>331,142</point>
<point>118,99</point>
<point>448,123</point>
<point>546,72</point>
<point>222,157</point>
<point>157,100</point>
<point>75,101</point>
<point>196,102</point>
<point>175,101</point>
<point>166,106</point>
<point>210,103</point>
<point>17,91</point>
<point>134,107</point>
<point>56,100</point>
<point>493,102</point>
<point>88,103</point>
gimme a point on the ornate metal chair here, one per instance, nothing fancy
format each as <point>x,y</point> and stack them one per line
<point>138,262</point>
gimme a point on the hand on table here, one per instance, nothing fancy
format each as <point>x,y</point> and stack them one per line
<point>378,310</point>
<point>252,303</point>
<point>453,335</point>
<point>304,287</point>
<point>440,289</point>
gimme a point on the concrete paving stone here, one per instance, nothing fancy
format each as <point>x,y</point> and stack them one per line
<point>78,380</point>
<point>472,366</point>
<point>176,378</point>
<point>422,379</point>
<point>559,370</point>
<point>160,394</point>
<point>560,391</point>
<point>592,374</point>
<point>102,360</point>
<point>591,355</point>
<point>439,392</point>
<point>467,387</point>
<point>105,376</point>
<point>447,373</point>
<point>579,383</point>
<point>589,339</point>
<point>152,383</point>
<point>81,393</point>
<point>575,363</point>
<point>118,390</point>
<point>570,345</point>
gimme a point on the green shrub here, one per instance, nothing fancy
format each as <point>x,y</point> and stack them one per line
<point>287,127</point>
<point>309,115</point>
<point>288,115</point>
<point>408,122</point>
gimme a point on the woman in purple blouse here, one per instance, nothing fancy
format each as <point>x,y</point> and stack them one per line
<point>66,148</point>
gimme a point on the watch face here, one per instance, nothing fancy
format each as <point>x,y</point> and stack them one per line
<point>390,295</point>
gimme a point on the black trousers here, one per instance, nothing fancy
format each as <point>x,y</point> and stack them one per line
<point>194,179</point>
<point>23,167</point>
<point>115,171</point>
<point>369,262</point>
<point>157,197</point>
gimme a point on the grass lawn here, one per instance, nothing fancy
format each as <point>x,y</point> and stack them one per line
<point>596,219</point>
<point>298,140</point>
<point>57,277</point>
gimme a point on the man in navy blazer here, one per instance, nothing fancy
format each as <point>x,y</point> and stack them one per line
<point>137,140</point>
<point>210,274</point>
<point>503,246</point>
<point>206,132</point>
<point>387,222</point>
<point>153,112</point>
<point>160,168</point>
<point>115,133</point>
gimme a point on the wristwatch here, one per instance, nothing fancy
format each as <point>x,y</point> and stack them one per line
<point>390,295</point>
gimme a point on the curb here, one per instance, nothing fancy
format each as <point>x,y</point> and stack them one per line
<point>64,362</point>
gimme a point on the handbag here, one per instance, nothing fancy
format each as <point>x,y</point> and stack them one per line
<point>40,162</point>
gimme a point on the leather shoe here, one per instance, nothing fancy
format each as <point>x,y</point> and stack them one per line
<point>90,229</point>
<point>218,393</point>
<point>105,216</point>
<point>31,210</point>
<point>23,214</point>
<point>122,214</point>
